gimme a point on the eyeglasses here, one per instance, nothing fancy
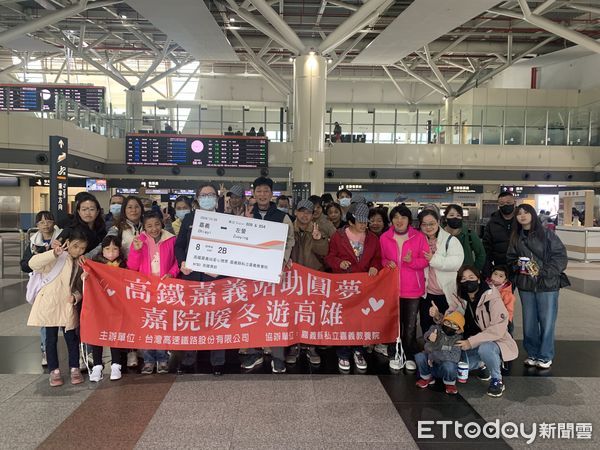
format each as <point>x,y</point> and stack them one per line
<point>429,224</point>
<point>207,195</point>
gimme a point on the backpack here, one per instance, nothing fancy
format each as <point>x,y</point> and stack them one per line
<point>38,280</point>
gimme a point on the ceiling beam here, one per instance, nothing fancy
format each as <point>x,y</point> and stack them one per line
<point>166,73</point>
<point>402,94</point>
<point>280,25</point>
<point>436,71</point>
<point>586,8</point>
<point>423,80</point>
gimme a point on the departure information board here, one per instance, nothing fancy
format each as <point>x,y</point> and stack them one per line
<point>196,150</point>
<point>37,97</point>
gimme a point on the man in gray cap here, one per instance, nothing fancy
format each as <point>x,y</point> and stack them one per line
<point>236,197</point>
<point>309,249</point>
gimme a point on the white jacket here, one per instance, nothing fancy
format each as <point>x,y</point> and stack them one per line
<point>446,261</point>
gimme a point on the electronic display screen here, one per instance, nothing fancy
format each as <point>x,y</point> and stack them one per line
<point>196,150</point>
<point>37,97</point>
<point>93,184</point>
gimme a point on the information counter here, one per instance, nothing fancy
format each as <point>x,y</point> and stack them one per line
<point>582,243</point>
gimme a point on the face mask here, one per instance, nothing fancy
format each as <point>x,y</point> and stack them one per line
<point>115,209</point>
<point>470,286</point>
<point>507,209</point>
<point>207,203</point>
<point>449,331</point>
<point>455,222</point>
<point>345,202</point>
<point>181,213</point>
<point>283,210</point>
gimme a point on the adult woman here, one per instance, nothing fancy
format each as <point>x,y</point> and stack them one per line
<point>88,220</point>
<point>471,244</point>
<point>207,196</point>
<point>183,206</point>
<point>486,341</point>
<point>129,224</point>
<point>539,259</point>
<point>334,214</point>
<point>378,221</point>
<point>404,247</point>
<point>354,249</point>
<point>445,256</point>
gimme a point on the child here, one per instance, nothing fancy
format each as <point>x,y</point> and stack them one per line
<point>499,279</point>
<point>55,303</point>
<point>39,243</point>
<point>441,356</point>
<point>153,253</point>
<point>111,256</point>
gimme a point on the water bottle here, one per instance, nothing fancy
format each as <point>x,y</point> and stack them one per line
<point>463,372</point>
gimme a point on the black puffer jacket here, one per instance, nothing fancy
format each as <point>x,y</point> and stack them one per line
<point>549,253</point>
<point>496,238</point>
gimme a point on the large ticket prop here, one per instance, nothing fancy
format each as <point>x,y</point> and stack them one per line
<point>237,246</point>
<point>125,309</point>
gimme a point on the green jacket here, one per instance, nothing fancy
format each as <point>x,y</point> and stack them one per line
<point>473,247</point>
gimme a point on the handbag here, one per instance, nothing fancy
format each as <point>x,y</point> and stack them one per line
<point>37,280</point>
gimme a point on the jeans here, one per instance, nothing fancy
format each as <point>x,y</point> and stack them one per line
<point>539,318</point>
<point>346,352</point>
<point>409,309</point>
<point>52,351</point>
<point>115,354</point>
<point>425,303</point>
<point>446,370</point>
<point>217,357</point>
<point>43,339</point>
<point>155,356</point>
<point>276,353</point>
<point>488,353</point>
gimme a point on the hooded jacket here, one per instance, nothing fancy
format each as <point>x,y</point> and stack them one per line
<point>37,246</point>
<point>473,248</point>
<point>340,250</point>
<point>446,261</point>
<point>308,251</point>
<point>550,255</point>
<point>412,274</point>
<point>496,237</point>
<point>444,348</point>
<point>140,260</point>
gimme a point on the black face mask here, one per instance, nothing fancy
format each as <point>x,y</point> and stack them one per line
<point>449,331</point>
<point>470,286</point>
<point>507,209</point>
<point>455,222</point>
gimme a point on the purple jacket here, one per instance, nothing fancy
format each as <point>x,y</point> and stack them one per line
<point>412,274</point>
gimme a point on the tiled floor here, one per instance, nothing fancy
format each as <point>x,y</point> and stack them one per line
<point>307,408</point>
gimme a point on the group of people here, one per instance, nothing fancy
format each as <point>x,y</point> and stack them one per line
<point>457,287</point>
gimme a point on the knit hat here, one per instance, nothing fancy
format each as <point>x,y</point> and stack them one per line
<point>305,204</point>
<point>359,198</point>
<point>360,212</point>
<point>457,319</point>
<point>237,190</point>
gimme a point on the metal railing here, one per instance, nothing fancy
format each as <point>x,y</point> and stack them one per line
<point>4,247</point>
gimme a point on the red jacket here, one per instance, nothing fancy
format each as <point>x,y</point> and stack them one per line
<point>412,274</point>
<point>340,250</point>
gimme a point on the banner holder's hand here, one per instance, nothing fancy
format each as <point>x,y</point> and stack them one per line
<point>184,270</point>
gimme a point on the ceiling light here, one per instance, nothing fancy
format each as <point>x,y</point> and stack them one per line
<point>311,53</point>
<point>232,19</point>
<point>291,59</point>
<point>329,61</point>
<point>229,27</point>
<point>123,16</point>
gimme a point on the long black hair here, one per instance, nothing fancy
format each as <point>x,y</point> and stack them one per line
<point>537,229</point>
<point>99,225</point>
<point>462,293</point>
<point>121,222</point>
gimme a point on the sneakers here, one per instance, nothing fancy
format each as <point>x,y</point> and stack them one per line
<point>56,378</point>
<point>251,361</point>
<point>382,349</point>
<point>531,362</point>
<point>410,365</point>
<point>277,365</point>
<point>360,361</point>
<point>132,359</point>
<point>44,360</point>
<point>115,371</point>
<point>483,373</point>
<point>162,367</point>
<point>451,389</point>
<point>96,374</point>
<point>496,388</point>
<point>76,377</point>
<point>423,383</point>
<point>344,364</point>
<point>396,364</point>
<point>148,369</point>
<point>293,354</point>
<point>543,364</point>
<point>313,357</point>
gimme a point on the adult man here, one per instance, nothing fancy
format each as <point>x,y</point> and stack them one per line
<point>325,225</point>
<point>116,201</point>
<point>283,203</point>
<point>235,205</point>
<point>265,209</point>
<point>310,247</point>
<point>344,197</point>
<point>496,235</point>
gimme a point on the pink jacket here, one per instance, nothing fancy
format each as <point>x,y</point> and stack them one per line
<point>412,274</point>
<point>139,260</point>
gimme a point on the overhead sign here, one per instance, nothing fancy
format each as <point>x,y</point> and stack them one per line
<point>59,153</point>
<point>464,189</point>
<point>38,97</point>
<point>517,191</point>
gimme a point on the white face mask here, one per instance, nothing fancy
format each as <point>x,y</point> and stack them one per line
<point>207,203</point>
<point>345,202</point>
<point>282,209</point>
<point>181,213</point>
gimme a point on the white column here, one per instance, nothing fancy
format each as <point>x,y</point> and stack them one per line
<point>448,111</point>
<point>133,109</point>
<point>310,80</point>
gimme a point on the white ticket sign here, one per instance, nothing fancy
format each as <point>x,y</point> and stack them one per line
<point>237,246</point>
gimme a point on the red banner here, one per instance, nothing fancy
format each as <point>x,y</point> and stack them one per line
<point>126,309</point>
